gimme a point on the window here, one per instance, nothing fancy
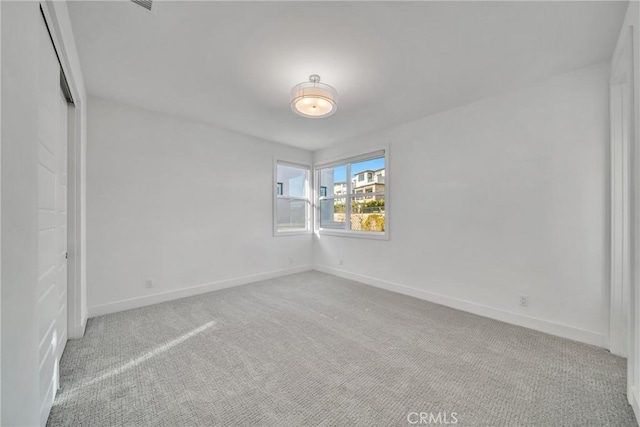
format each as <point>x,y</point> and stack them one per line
<point>349,204</point>
<point>292,203</point>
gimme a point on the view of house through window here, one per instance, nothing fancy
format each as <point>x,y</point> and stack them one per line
<point>292,197</point>
<point>352,196</point>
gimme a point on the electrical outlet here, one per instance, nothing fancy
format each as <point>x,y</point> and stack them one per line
<point>290,260</point>
<point>340,262</point>
<point>524,301</point>
<point>148,283</point>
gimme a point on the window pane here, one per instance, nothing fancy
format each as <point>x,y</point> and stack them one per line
<point>368,176</point>
<point>291,181</point>
<point>334,180</point>
<point>332,213</point>
<point>367,213</point>
<point>292,214</point>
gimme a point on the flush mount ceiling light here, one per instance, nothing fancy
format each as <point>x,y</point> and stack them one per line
<point>314,99</point>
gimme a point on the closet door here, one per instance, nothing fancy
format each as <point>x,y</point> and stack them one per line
<point>52,221</point>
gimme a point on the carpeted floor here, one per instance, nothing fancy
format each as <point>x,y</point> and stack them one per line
<point>314,349</point>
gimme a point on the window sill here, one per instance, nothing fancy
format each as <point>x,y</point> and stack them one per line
<point>357,234</point>
<point>290,233</point>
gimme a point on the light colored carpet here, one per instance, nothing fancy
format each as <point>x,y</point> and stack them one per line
<point>314,349</point>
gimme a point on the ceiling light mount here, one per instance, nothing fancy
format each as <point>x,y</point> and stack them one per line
<point>314,99</point>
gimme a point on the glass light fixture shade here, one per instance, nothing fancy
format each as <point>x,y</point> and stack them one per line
<point>314,99</point>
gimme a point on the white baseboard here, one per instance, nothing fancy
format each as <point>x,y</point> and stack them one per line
<point>570,332</point>
<point>564,331</point>
<point>77,332</point>
<point>127,304</point>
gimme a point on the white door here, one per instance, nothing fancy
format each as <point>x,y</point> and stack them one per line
<point>52,221</point>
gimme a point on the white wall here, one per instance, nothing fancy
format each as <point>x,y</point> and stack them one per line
<point>20,29</point>
<point>503,197</point>
<point>19,208</point>
<point>179,202</point>
<point>500,198</point>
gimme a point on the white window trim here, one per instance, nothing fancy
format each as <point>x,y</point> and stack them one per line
<point>309,199</point>
<point>349,195</point>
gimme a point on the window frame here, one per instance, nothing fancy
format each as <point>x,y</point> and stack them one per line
<point>308,199</point>
<point>350,194</point>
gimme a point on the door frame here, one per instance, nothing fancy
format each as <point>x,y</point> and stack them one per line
<point>622,171</point>
<point>76,179</point>
<point>625,244</point>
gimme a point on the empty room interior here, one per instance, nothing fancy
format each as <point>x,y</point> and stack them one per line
<point>332,213</point>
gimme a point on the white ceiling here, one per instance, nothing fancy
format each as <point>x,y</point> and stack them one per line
<point>233,64</point>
